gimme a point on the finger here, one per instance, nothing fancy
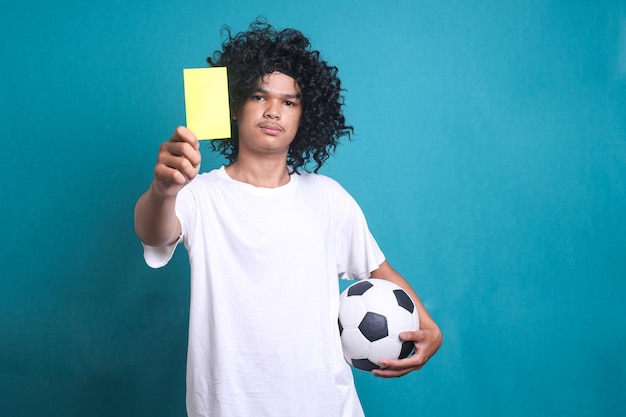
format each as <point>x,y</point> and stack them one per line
<point>387,373</point>
<point>182,134</point>
<point>397,368</point>
<point>414,336</point>
<point>178,163</point>
<point>179,149</point>
<point>390,372</point>
<point>395,365</point>
<point>169,176</point>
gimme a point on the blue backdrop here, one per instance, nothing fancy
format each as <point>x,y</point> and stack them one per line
<point>489,158</point>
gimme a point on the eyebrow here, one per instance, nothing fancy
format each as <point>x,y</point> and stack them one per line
<point>289,96</point>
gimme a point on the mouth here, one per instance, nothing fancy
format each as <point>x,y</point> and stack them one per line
<point>271,128</point>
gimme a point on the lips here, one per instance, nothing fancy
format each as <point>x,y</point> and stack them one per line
<point>271,128</point>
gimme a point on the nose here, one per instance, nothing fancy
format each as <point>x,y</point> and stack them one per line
<point>272,110</point>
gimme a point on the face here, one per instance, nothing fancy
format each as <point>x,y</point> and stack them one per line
<point>268,120</point>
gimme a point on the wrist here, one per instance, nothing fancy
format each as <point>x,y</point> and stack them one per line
<point>161,192</point>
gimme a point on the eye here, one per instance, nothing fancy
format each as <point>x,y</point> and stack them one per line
<point>292,103</point>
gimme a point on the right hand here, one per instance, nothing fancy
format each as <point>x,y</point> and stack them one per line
<point>178,162</point>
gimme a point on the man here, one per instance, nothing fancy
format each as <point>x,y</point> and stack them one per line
<point>267,241</point>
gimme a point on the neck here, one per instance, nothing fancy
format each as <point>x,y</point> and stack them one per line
<point>262,173</point>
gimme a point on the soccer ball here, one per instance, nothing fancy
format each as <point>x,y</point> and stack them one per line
<point>372,314</point>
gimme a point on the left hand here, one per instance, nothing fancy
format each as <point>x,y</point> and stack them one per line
<point>426,341</point>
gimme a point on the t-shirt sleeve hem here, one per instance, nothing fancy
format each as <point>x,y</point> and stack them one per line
<point>159,256</point>
<point>373,265</point>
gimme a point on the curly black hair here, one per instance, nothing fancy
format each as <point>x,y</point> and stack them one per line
<point>263,50</point>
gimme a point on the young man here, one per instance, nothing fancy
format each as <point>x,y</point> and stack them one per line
<point>267,241</point>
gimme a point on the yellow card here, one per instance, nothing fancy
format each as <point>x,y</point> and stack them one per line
<point>206,102</point>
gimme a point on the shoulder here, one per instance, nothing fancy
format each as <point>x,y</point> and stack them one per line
<point>324,187</point>
<point>319,181</point>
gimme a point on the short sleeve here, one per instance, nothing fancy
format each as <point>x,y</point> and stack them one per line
<point>358,253</point>
<point>159,256</point>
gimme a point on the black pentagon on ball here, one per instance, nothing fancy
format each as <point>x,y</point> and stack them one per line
<point>340,327</point>
<point>407,349</point>
<point>364,364</point>
<point>404,300</point>
<point>374,326</point>
<point>359,288</point>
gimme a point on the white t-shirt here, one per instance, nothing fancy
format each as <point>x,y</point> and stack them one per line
<point>265,262</point>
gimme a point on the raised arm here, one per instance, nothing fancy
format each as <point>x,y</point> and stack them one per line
<point>427,339</point>
<point>178,163</point>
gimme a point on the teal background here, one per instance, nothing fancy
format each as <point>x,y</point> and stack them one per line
<point>489,158</point>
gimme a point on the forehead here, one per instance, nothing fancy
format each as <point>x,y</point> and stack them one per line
<point>279,83</point>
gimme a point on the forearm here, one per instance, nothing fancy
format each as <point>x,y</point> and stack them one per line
<point>426,340</point>
<point>156,223</point>
<point>386,272</point>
